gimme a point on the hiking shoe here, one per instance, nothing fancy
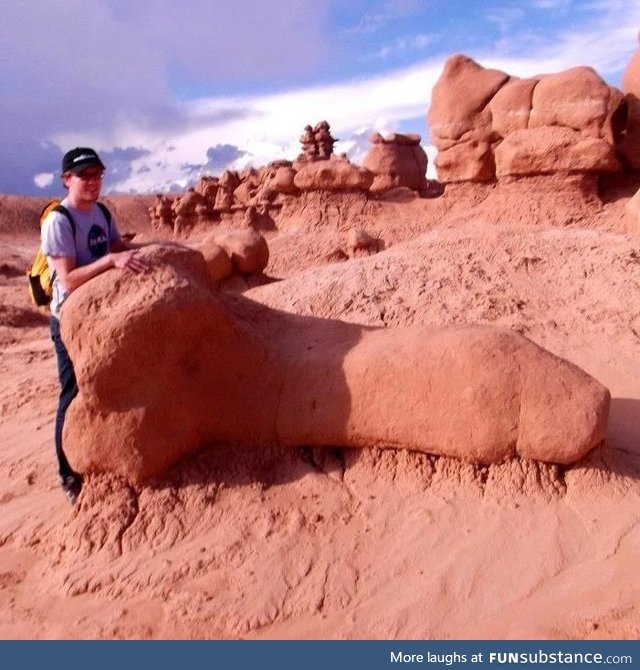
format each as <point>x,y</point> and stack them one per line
<point>71,485</point>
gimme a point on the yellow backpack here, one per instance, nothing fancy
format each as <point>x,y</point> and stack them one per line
<point>40,279</point>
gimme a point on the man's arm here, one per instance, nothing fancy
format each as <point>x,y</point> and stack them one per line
<point>73,276</point>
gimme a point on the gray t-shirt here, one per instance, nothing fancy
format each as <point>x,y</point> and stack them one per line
<point>92,240</point>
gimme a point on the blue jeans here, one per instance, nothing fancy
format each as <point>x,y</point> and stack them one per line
<point>68,391</point>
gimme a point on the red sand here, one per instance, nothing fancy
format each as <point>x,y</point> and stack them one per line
<point>330,543</point>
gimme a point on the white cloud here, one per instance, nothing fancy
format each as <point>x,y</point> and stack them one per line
<point>266,127</point>
<point>43,179</point>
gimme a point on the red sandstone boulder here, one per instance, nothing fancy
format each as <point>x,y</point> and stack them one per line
<point>279,178</point>
<point>179,364</point>
<point>335,174</point>
<point>631,75</point>
<point>633,212</point>
<point>396,161</point>
<point>207,187</point>
<point>511,106</point>
<point>466,161</point>
<point>550,149</point>
<point>576,98</point>
<point>460,98</point>
<point>460,120</point>
<point>245,192</point>
<point>189,209</point>
<point>216,258</point>
<point>246,248</point>
<point>630,142</point>
<point>482,121</point>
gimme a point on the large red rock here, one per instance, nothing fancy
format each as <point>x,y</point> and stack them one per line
<point>511,106</point>
<point>633,212</point>
<point>335,174</point>
<point>179,364</point>
<point>246,248</point>
<point>550,149</point>
<point>466,161</point>
<point>631,75</point>
<point>576,116</point>
<point>460,98</point>
<point>396,161</point>
<point>630,142</point>
<point>459,119</point>
<point>279,179</point>
<point>576,98</point>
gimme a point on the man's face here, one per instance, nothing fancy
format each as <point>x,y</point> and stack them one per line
<point>85,185</point>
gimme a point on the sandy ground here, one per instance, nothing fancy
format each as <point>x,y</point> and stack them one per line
<point>332,543</point>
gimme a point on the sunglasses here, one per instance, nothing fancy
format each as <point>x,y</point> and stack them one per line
<point>93,176</point>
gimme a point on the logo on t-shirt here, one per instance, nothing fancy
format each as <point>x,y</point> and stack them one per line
<point>97,241</point>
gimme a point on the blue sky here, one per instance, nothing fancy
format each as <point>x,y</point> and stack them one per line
<point>167,90</point>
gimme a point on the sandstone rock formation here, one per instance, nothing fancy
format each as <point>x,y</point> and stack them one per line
<point>337,174</point>
<point>247,249</point>
<point>207,187</point>
<point>217,260</point>
<point>229,251</point>
<point>503,126</point>
<point>234,371</point>
<point>324,140</point>
<point>245,193</point>
<point>396,161</point>
<point>278,179</point>
<point>633,211</point>
<point>309,146</point>
<point>630,144</point>
<point>189,209</point>
<point>361,243</point>
<point>161,212</point>
<point>227,184</point>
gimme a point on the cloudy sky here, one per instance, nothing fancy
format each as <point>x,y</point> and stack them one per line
<point>167,90</point>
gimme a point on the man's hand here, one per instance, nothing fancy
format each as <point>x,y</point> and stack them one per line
<point>129,260</point>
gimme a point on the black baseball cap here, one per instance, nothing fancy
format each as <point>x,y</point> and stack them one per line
<point>80,158</point>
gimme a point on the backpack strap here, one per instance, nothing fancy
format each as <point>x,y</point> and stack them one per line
<point>61,209</point>
<point>107,215</point>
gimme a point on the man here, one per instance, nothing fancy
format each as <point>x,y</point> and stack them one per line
<point>75,257</point>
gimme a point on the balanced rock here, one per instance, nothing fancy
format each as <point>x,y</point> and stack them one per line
<point>179,364</point>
